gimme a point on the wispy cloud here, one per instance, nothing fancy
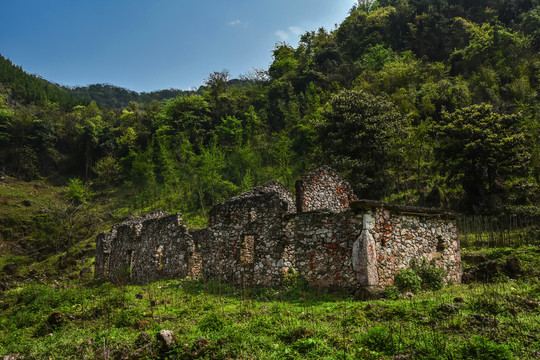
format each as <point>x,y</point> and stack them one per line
<point>297,31</point>
<point>291,32</point>
<point>282,34</point>
<point>235,22</point>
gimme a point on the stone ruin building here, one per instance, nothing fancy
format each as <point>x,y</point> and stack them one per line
<point>253,239</point>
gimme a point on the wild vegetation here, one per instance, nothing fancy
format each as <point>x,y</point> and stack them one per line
<point>430,103</point>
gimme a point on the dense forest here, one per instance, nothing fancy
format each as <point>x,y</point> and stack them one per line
<point>430,103</point>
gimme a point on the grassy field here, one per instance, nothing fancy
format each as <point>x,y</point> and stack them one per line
<point>71,316</point>
<point>52,309</point>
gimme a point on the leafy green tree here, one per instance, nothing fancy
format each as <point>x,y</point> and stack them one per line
<point>188,114</point>
<point>229,133</point>
<point>482,152</point>
<point>108,172</point>
<point>210,163</point>
<point>357,138</point>
<point>282,156</point>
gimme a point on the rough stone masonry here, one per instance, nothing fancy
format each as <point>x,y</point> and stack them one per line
<point>253,239</point>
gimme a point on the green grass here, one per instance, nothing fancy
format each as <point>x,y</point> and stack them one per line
<point>217,321</point>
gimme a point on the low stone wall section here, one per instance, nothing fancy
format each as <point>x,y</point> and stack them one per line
<point>146,249</point>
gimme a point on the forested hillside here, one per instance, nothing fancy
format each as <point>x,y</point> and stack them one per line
<point>432,103</point>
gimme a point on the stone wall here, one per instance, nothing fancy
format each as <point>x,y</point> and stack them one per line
<point>323,188</point>
<point>393,236</point>
<point>146,249</point>
<point>323,243</point>
<point>245,242</point>
<point>254,238</point>
<point>369,243</point>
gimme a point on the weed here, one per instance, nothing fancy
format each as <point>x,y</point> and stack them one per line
<point>488,303</point>
<point>127,317</point>
<point>380,339</point>
<point>408,280</point>
<point>292,334</point>
<point>292,280</point>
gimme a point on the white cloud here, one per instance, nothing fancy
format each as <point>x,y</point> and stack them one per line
<point>235,22</point>
<point>282,34</point>
<point>296,30</point>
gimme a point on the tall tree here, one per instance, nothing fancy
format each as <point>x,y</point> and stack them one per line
<point>483,152</point>
<point>357,138</point>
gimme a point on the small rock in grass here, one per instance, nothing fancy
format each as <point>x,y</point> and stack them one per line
<point>166,339</point>
<point>407,295</point>
<point>201,342</point>
<point>459,300</point>
<point>402,357</point>
<point>12,357</point>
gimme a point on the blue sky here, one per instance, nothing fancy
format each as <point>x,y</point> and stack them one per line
<point>146,45</point>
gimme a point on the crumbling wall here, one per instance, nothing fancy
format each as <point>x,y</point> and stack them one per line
<point>245,243</point>
<point>141,250</point>
<point>323,188</point>
<point>400,234</point>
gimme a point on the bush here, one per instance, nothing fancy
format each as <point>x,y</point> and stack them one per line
<point>212,322</point>
<point>293,280</point>
<point>408,280</point>
<point>488,303</point>
<point>432,277</point>
<point>76,190</point>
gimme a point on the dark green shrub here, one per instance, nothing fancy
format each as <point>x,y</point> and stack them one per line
<point>304,346</point>
<point>76,190</point>
<point>292,334</point>
<point>480,348</point>
<point>432,277</point>
<point>378,338</point>
<point>128,317</point>
<point>408,280</point>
